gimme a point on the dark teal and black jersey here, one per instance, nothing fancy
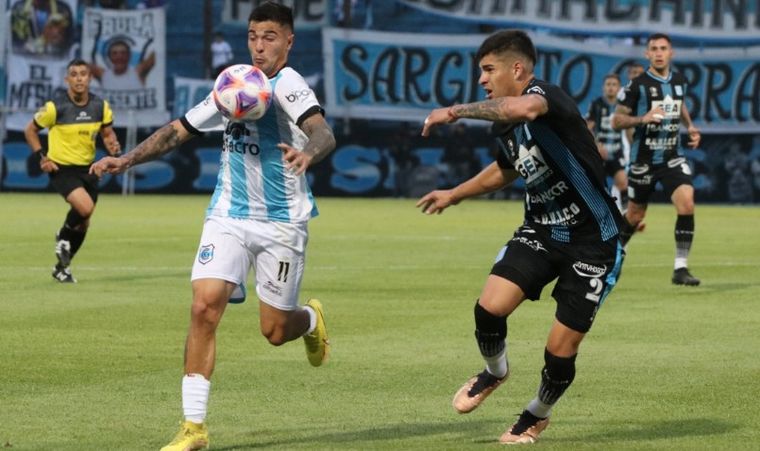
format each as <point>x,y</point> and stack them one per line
<point>600,112</point>
<point>566,192</point>
<point>656,143</point>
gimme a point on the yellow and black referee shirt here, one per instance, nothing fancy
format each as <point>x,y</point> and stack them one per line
<point>73,128</point>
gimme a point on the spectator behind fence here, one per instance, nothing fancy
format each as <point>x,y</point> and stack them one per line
<point>41,28</point>
<point>221,54</point>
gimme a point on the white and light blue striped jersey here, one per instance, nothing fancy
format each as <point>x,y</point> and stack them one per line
<point>253,182</point>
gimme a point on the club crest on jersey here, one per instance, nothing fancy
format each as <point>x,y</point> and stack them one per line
<point>652,91</point>
<point>678,89</point>
<point>206,254</point>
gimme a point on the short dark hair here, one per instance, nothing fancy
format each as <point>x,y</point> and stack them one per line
<point>516,41</point>
<point>274,12</point>
<point>656,36</point>
<point>77,62</point>
<point>615,76</point>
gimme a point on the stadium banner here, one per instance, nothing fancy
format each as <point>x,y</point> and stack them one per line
<point>726,168</point>
<point>40,45</point>
<point>188,92</point>
<point>307,14</point>
<point>717,21</point>
<point>378,75</point>
<point>127,54</point>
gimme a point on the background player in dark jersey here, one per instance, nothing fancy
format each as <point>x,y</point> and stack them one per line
<point>570,230</point>
<point>608,140</point>
<point>658,96</point>
<point>74,118</point>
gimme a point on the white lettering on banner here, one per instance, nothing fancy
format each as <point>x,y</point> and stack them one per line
<point>134,25</point>
<point>306,13</point>
<point>379,75</point>
<point>687,19</point>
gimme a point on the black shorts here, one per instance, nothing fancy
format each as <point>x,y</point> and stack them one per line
<point>613,166</point>
<point>586,272</point>
<point>642,178</point>
<point>69,178</point>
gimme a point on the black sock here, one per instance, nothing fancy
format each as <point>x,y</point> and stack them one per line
<point>624,199</point>
<point>684,234</point>
<point>490,332</point>
<point>558,373</point>
<point>77,238</point>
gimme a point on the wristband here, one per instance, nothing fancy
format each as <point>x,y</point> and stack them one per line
<point>42,151</point>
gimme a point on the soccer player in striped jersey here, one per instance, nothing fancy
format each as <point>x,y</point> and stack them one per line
<point>654,104</point>
<point>608,140</point>
<point>257,216</point>
<point>570,230</point>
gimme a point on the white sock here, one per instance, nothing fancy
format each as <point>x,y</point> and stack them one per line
<point>312,319</point>
<point>195,390</point>
<point>497,365</point>
<point>539,409</point>
<point>681,262</point>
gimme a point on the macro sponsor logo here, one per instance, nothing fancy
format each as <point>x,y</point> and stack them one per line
<point>549,194</point>
<point>237,140</point>
<point>298,95</point>
<point>588,270</point>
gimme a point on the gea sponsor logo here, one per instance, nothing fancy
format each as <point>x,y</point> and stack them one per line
<point>298,95</point>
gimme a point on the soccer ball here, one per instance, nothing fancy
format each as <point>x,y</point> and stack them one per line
<point>242,93</point>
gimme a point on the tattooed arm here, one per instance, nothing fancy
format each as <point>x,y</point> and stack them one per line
<point>321,142</point>
<point>502,109</point>
<point>161,142</point>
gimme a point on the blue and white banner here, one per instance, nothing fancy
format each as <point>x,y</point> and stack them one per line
<point>397,76</point>
<point>307,14</point>
<point>41,43</point>
<point>127,55</point>
<point>188,92</point>
<point>708,20</point>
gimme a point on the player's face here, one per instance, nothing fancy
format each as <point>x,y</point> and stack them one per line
<point>78,79</point>
<point>498,76</point>
<point>659,53</point>
<point>634,71</point>
<point>611,87</point>
<point>269,44</point>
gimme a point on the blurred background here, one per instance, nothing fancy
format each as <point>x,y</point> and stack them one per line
<point>378,68</point>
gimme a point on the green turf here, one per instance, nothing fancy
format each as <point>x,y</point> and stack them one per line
<point>97,365</point>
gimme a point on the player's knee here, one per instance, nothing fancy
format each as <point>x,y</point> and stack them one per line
<point>203,311</point>
<point>79,220</point>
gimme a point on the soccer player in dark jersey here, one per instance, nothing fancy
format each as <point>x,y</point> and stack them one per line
<point>654,103</point>
<point>75,118</point>
<point>608,140</point>
<point>570,230</point>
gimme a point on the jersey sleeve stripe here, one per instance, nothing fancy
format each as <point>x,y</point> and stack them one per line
<point>185,123</point>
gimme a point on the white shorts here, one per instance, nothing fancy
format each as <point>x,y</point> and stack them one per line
<point>276,250</point>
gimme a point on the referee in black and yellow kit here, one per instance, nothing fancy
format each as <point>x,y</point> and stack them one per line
<point>74,118</point>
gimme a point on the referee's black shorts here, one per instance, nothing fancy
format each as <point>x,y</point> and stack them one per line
<point>585,273</point>
<point>69,178</point>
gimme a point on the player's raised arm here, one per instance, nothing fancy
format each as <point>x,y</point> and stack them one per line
<point>321,143</point>
<point>503,109</point>
<point>161,142</point>
<point>490,179</point>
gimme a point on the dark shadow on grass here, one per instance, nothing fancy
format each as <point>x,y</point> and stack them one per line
<point>138,277</point>
<point>380,434</point>
<point>619,431</point>
<point>719,287</point>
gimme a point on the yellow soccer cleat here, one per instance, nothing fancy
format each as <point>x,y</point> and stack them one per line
<point>191,437</point>
<point>317,343</point>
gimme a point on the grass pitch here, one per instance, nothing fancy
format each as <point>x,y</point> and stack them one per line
<point>97,365</point>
